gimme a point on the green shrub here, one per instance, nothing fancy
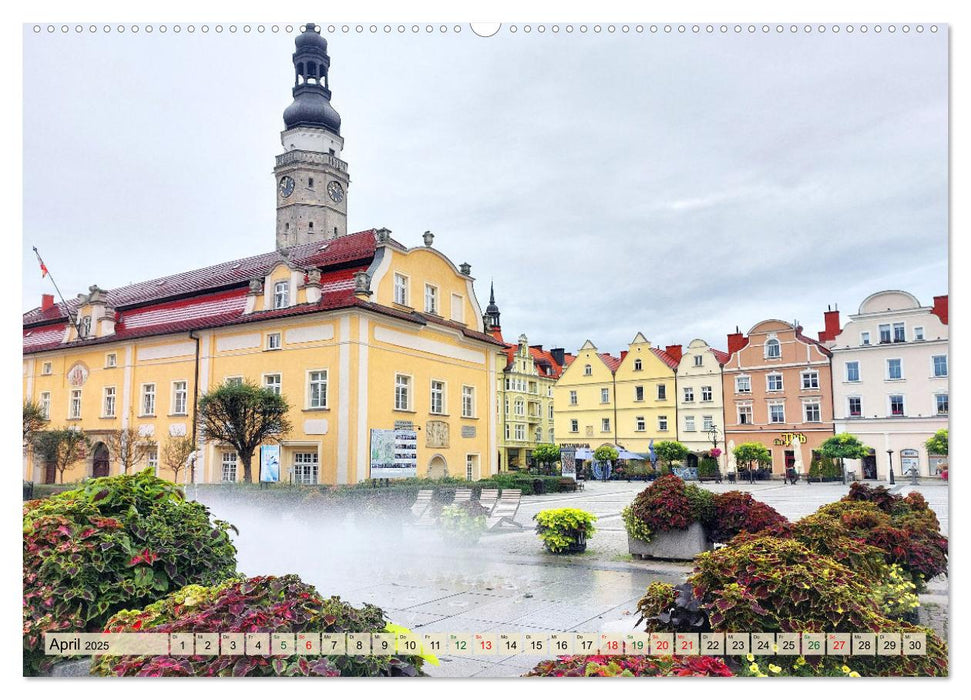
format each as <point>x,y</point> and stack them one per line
<point>635,527</point>
<point>261,604</point>
<point>707,467</point>
<point>116,542</point>
<point>564,529</point>
<point>463,523</point>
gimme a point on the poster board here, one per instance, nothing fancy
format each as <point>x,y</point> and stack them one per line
<point>394,454</point>
<point>269,463</point>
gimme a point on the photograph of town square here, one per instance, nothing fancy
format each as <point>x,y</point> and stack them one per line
<point>652,379</point>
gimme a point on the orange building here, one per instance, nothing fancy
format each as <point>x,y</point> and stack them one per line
<point>778,392</point>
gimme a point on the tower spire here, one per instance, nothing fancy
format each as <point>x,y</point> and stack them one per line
<point>491,315</point>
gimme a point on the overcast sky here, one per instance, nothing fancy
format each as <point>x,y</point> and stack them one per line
<point>677,185</point>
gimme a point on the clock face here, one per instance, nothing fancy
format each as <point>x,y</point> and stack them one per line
<point>286,185</point>
<point>335,190</point>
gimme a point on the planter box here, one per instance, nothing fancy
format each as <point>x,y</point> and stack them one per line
<point>672,544</point>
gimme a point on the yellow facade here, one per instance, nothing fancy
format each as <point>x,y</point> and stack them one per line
<point>624,401</point>
<point>525,408</point>
<point>355,357</point>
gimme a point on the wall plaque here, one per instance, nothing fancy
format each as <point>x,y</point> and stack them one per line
<point>436,433</point>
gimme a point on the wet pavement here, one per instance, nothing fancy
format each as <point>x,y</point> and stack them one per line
<point>505,583</point>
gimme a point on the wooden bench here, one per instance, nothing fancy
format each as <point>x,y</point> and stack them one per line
<point>568,484</point>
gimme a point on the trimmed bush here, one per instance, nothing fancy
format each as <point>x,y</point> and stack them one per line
<point>707,468</point>
<point>260,604</point>
<point>641,666</point>
<point>116,542</point>
<point>564,529</point>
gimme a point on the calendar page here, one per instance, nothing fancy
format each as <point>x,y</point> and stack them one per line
<point>417,348</point>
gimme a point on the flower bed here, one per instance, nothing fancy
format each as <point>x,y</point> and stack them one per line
<point>641,666</point>
<point>116,542</point>
<point>260,604</point>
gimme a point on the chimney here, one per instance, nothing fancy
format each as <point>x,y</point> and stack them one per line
<point>46,302</point>
<point>559,355</point>
<point>940,308</point>
<point>736,341</point>
<point>674,351</point>
<point>831,325</point>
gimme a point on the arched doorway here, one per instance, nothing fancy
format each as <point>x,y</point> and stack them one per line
<point>437,468</point>
<point>691,460</point>
<point>100,464</point>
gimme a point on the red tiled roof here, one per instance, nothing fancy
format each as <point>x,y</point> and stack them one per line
<point>542,358</point>
<point>665,358</point>
<point>43,338</point>
<point>612,362</point>
<point>338,251</point>
<point>810,341</point>
<point>720,355</point>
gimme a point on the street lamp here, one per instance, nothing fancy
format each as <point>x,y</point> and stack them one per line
<point>890,458</point>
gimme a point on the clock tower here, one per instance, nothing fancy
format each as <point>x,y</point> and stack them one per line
<point>311,178</point>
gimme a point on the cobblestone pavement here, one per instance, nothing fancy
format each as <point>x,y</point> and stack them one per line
<point>507,582</point>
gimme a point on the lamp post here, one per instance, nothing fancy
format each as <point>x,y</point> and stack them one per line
<point>890,459</point>
<point>713,436</point>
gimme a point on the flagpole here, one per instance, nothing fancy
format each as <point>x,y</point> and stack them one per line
<point>67,309</point>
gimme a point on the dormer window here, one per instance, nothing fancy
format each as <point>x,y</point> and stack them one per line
<point>587,370</point>
<point>638,365</point>
<point>281,295</point>
<point>85,327</point>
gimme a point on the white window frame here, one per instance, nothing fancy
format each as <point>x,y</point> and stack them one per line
<point>404,390</point>
<point>864,337</point>
<point>573,397</point>
<point>805,411</point>
<point>812,375</point>
<point>604,395</point>
<point>662,424</point>
<point>507,432</point>
<point>640,424</point>
<point>147,400</point>
<point>471,466</point>
<point>707,394</point>
<point>47,369</point>
<point>275,387</point>
<point>918,333</point>
<point>638,365</point>
<point>574,425</point>
<point>707,422</point>
<point>235,380</point>
<point>899,360</point>
<point>638,393</point>
<point>281,294</point>
<point>229,464</point>
<point>551,411</point>
<point>85,326</point>
<point>773,343</point>
<point>45,404</point>
<point>109,402</point>
<point>401,289</point>
<point>849,406</point>
<point>436,393</point>
<point>934,373</point>
<point>903,406</point>
<point>699,361</point>
<point>689,424</point>
<point>745,409</point>
<point>768,381</point>
<point>185,397</point>
<point>688,394</point>
<point>520,432</point>
<point>313,402</point>
<point>468,401</point>
<point>588,370</point>
<point>306,468</point>
<point>846,370</point>
<point>274,341</point>
<point>937,406</point>
<point>604,425</point>
<point>777,404</point>
<point>662,392</point>
<point>74,405</point>
<point>151,459</point>
<point>519,406</point>
<point>431,299</point>
<point>111,360</point>
<point>889,329</point>
<point>902,327</point>
<point>738,384</point>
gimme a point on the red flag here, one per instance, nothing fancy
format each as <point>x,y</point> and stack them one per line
<point>43,270</point>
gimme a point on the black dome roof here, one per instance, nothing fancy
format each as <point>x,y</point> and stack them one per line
<point>311,108</point>
<point>310,39</point>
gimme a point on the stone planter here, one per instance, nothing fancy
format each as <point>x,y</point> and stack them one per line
<point>683,545</point>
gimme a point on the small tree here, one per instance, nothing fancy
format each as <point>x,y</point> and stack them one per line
<point>670,451</point>
<point>844,446</point>
<point>605,453</point>
<point>752,454</point>
<point>937,445</point>
<point>243,416</point>
<point>34,420</point>
<point>175,453</point>
<point>62,447</point>
<point>546,455</point>
<point>129,447</point>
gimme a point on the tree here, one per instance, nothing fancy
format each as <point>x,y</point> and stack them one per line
<point>243,416</point>
<point>34,420</point>
<point>753,453</point>
<point>844,446</point>
<point>129,447</point>
<point>62,447</point>
<point>670,451</point>
<point>937,445</point>
<point>546,455</point>
<point>605,453</point>
<point>176,452</point>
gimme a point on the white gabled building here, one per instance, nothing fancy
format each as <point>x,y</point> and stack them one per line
<point>890,380</point>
